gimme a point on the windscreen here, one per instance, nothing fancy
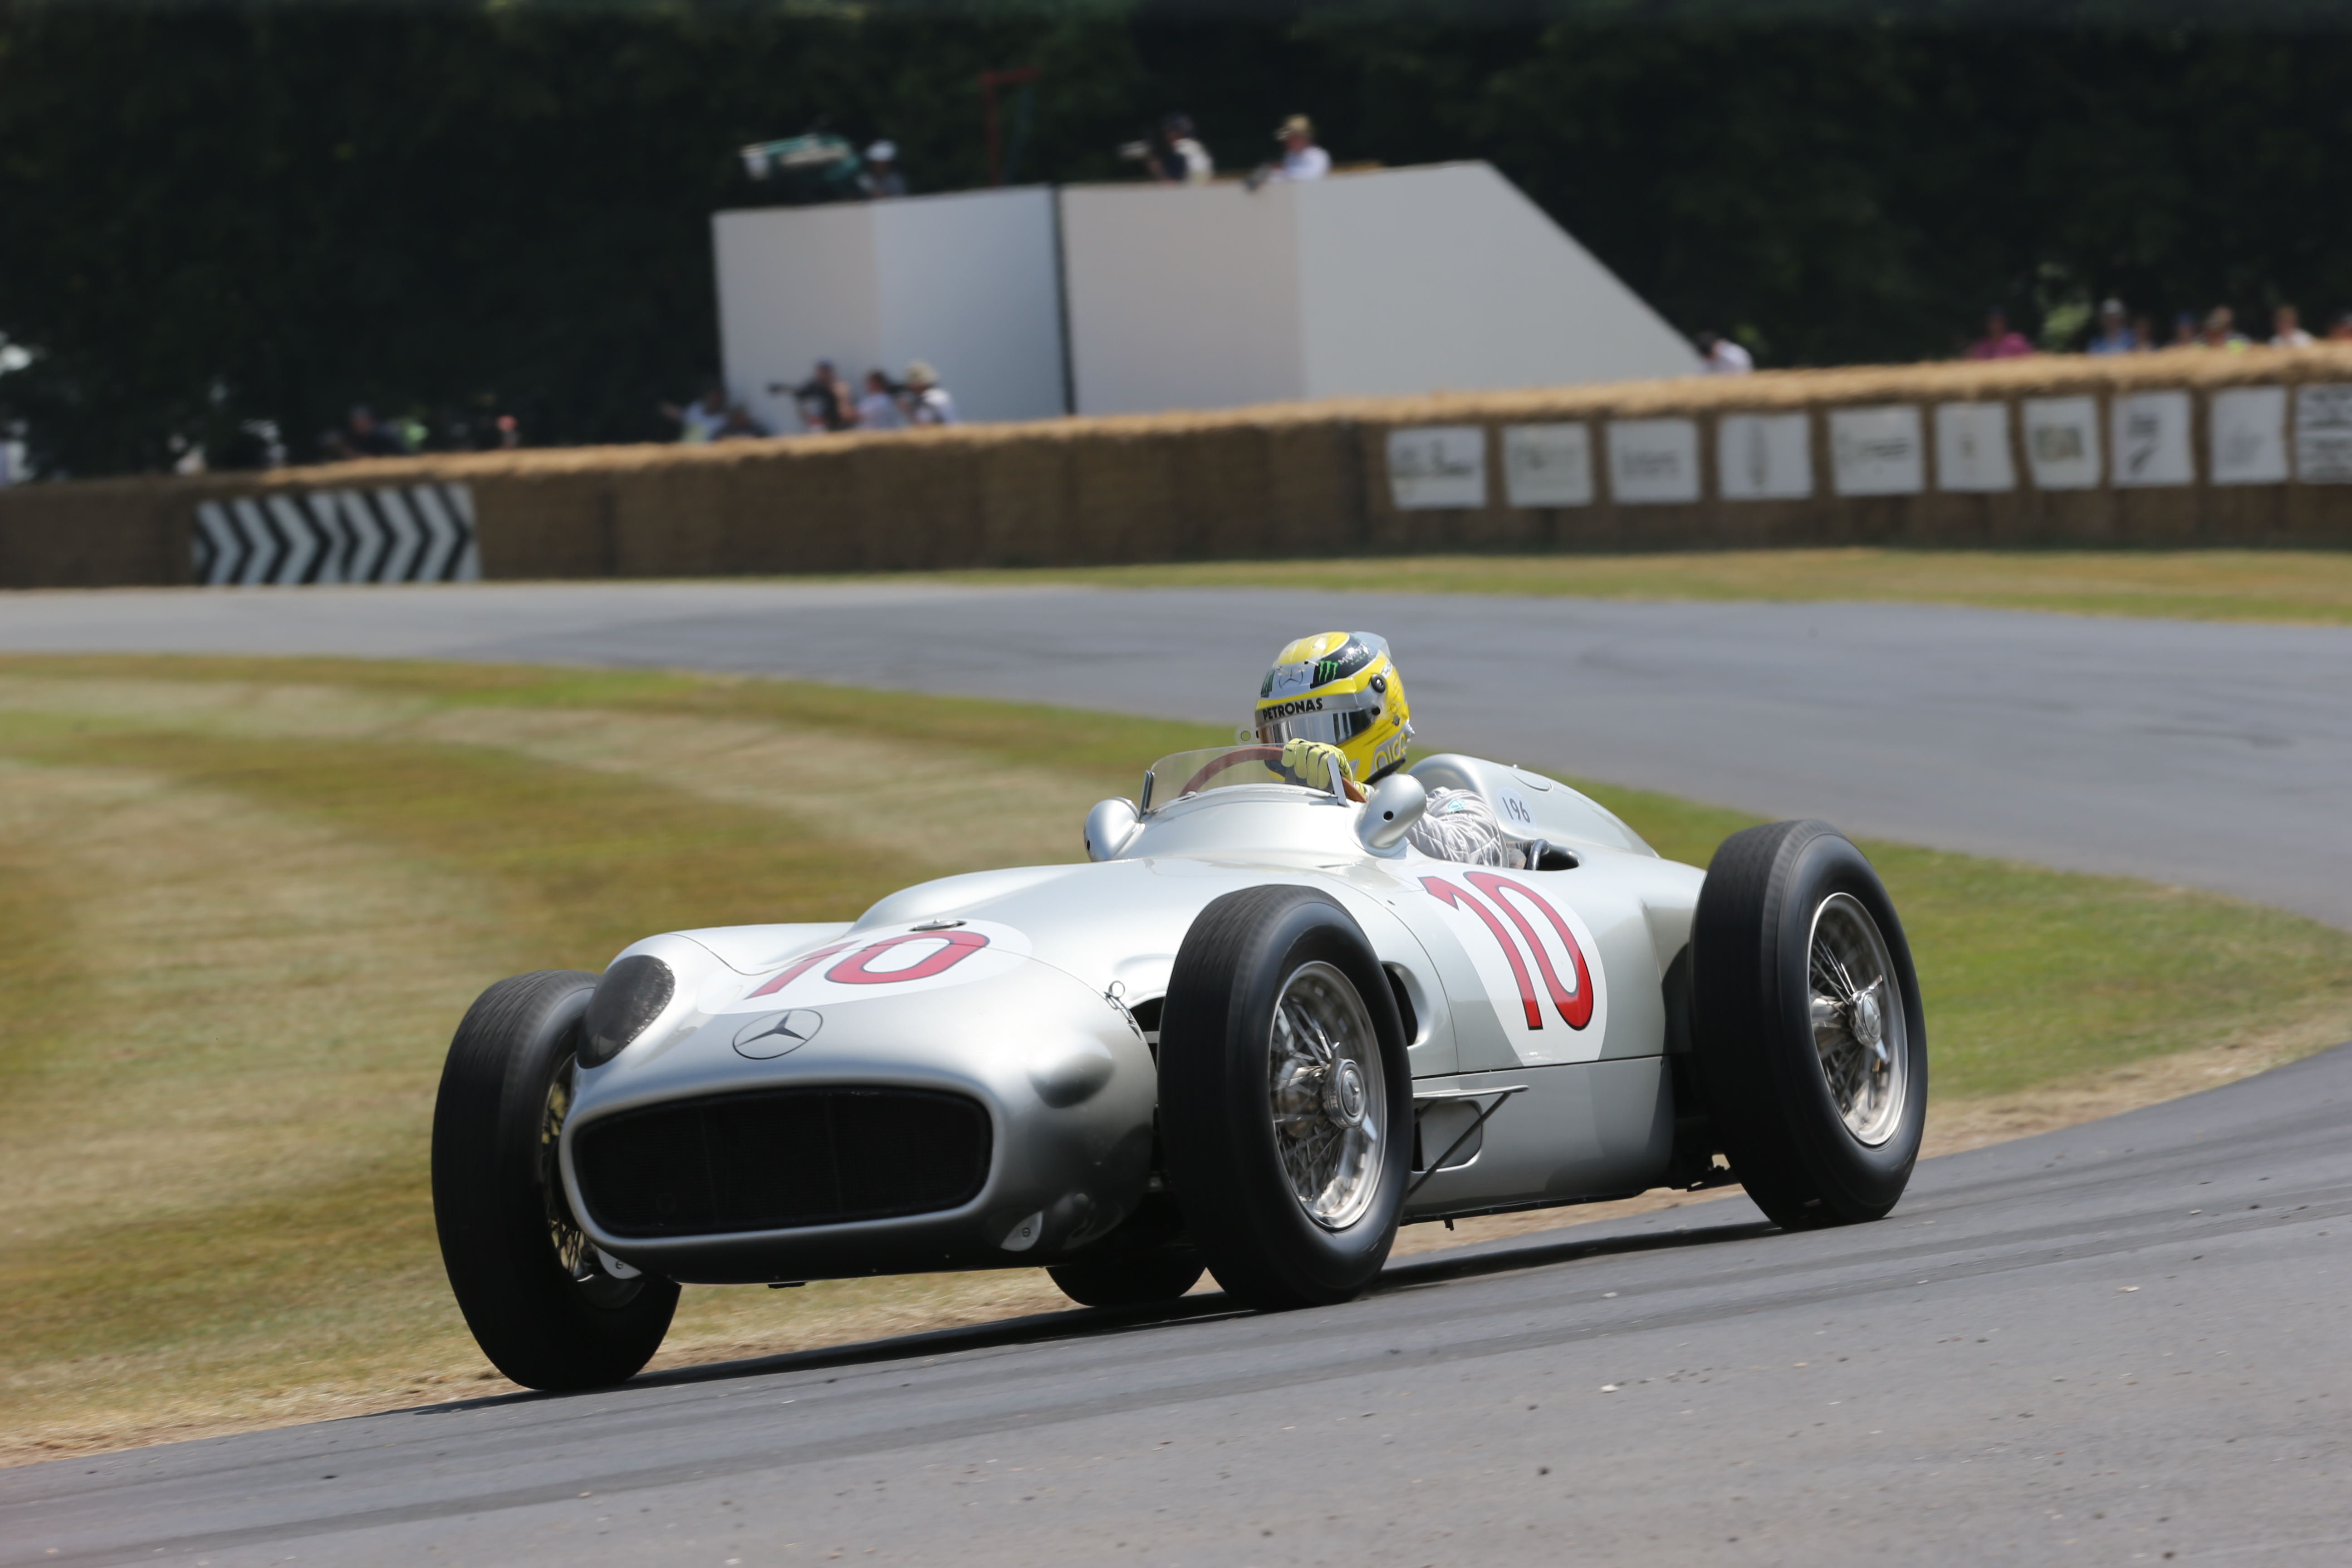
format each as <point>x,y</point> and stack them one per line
<point>1223,767</point>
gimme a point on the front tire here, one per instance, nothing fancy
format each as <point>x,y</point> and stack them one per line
<point>540,1301</point>
<point>1286,1097</point>
<point>1807,1030</point>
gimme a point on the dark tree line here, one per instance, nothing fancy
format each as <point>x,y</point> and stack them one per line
<point>212,215</point>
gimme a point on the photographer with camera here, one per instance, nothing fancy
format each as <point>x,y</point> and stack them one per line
<point>1174,156</point>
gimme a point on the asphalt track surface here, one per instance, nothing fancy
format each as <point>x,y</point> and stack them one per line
<point>2123,1342</point>
<point>2211,755</point>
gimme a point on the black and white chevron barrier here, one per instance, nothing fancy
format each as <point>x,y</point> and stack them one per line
<point>414,533</point>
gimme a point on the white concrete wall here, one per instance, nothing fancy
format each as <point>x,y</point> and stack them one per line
<point>1447,277</point>
<point>1394,281</point>
<point>965,281</point>
<point>795,285</point>
<point>1181,297</point>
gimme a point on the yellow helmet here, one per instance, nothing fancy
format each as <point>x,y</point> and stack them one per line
<point>1338,688</point>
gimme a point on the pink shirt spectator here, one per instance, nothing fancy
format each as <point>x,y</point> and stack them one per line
<point>2008,345</point>
<point>1998,342</point>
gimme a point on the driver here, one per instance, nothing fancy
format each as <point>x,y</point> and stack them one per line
<point>1334,703</point>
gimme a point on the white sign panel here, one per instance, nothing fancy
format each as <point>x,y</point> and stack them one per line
<point>1652,462</point>
<point>2151,439</point>
<point>1438,465</point>
<point>1972,447</point>
<point>2322,435</point>
<point>1548,465</point>
<point>1877,452</point>
<point>2249,435</point>
<point>1764,457</point>
<point>2062,442</point>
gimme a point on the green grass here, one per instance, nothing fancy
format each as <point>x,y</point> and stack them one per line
<point>2313,586</point>
<point>242,902</point>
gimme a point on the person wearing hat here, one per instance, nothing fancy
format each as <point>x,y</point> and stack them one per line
<point>927,402</point>
<point>1301,159</point>
<point>2115,335</point>
<point>881,177</point>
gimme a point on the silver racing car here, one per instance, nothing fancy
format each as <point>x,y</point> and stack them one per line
<point>1254,1032</point>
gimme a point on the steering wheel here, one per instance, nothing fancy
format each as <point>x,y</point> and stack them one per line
<point>1232,759</point>
<point>1240,755</point>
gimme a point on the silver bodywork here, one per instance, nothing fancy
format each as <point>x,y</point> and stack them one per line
<point>1023,995</point>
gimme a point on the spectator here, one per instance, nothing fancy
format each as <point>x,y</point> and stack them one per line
<point>2341,332</point>
<point>2184,332</point>
<point>702,419</point>
<point>824,399</point>
<point>2114,336</point>
<point>2143,329</point>
<point>1998,342</point>
<point>1301,158</point>
<point>927,402</point>
<point>879,409</point>
<point>739,426</point>
<point>2221,331</point>
<point>2286,329</point>
<point>1723,357</point>
<point>365,435</point>
<point>881,179</point>
<point>1176,157</point>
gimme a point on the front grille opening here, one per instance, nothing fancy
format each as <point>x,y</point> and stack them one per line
<point>782,1159</point>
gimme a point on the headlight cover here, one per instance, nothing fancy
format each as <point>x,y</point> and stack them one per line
<point>630,995</point>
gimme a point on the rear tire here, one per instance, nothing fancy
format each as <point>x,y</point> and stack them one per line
<point>1127,1281</point>
<point>1286,1097</point>
<point>1807,1031</point>
<point>540,1301</point>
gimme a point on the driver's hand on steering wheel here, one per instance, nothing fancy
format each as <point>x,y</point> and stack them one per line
<point>1314,764</point>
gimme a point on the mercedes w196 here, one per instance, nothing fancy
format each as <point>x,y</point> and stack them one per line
<point>1252,1033</point>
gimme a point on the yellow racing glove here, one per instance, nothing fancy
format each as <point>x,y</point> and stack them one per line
<point>1316,763</point>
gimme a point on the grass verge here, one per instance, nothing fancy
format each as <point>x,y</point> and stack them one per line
<point>2311,586</point>
<point>242,904</point>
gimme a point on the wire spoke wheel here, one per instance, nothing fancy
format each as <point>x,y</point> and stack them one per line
<point>573,1254</point>
<point>1327,1094</point>
<point>1859,1034</point>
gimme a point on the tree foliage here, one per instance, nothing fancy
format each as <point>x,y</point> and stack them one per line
<point>213,214</point>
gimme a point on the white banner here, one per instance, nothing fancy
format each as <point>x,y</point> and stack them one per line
<point>1438,465</point>
<point>1548,465</point>
<point>2151,440</point>
<point>1972,447</point>
<point>1652,462</point>
<point>1764,457</point>
<point>2062,442</point>
<point>2249,435</point>
<point>2322,435</point>
<point>1877,452</point>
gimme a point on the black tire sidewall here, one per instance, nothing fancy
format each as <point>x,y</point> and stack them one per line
<point>1858,1180</point>
<point>529,1317</point>
<point>1771,1106</point>
<point>1216,1033</point>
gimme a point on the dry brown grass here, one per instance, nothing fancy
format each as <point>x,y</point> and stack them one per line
<point>242,904</point>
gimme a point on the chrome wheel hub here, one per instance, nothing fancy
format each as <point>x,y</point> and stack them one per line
<point>1326,1094</point>
<point>1859,1034</point>
<point>573,1254</point>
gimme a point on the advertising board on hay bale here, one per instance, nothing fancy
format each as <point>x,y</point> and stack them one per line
<point>2184,448</point>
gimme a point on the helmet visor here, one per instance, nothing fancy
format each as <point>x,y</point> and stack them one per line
<point>1331,729</point>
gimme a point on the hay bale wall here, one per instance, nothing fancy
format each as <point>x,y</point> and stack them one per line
<point>1279,481</point>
